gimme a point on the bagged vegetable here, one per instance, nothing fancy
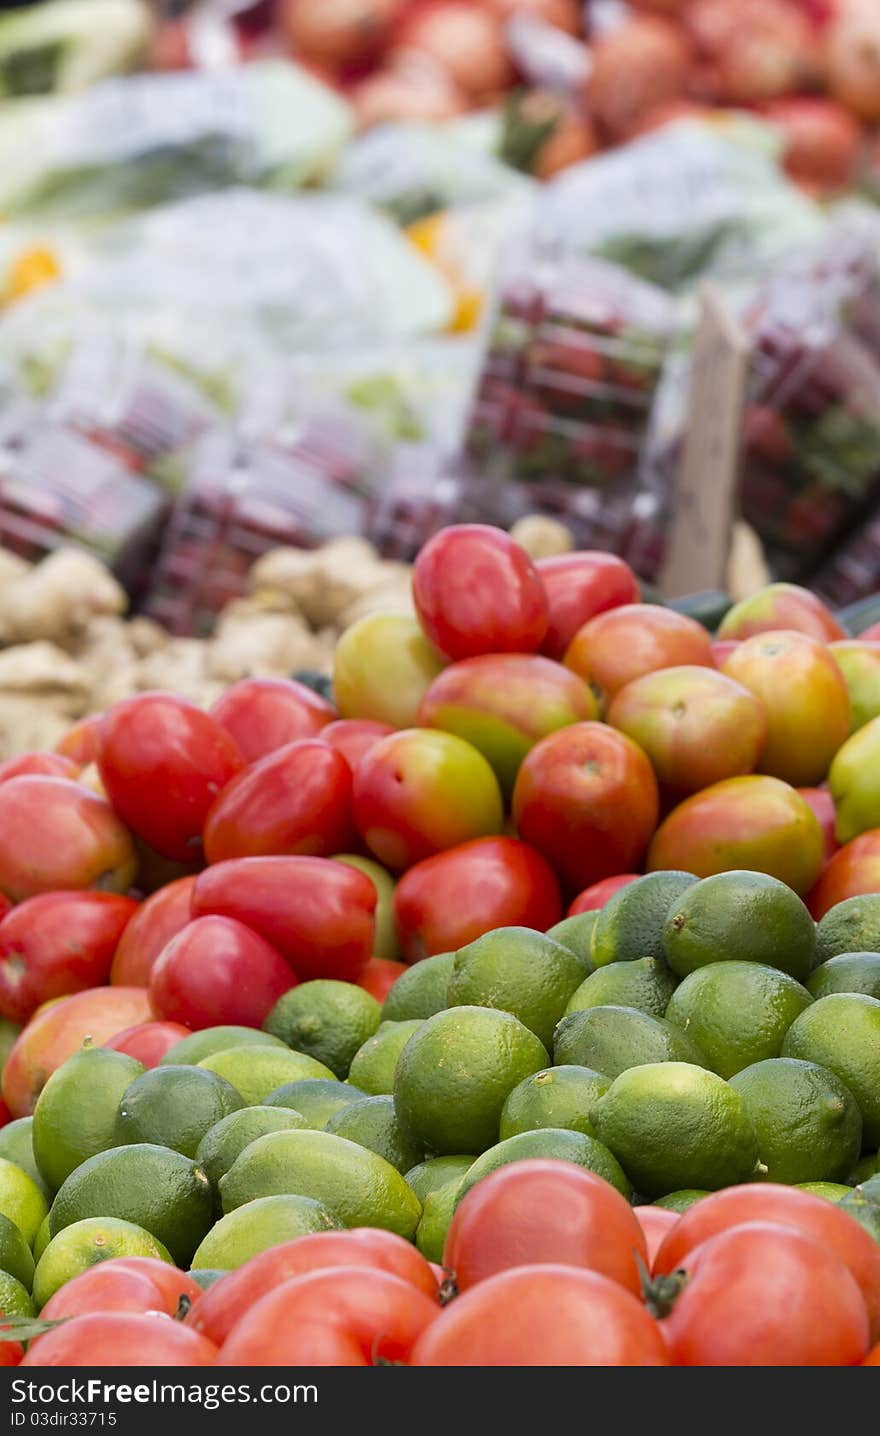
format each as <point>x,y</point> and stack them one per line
<point>66,45</point>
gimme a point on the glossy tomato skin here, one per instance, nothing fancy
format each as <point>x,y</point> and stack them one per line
<point>57,835</point>
<point>80,743</point>
<point>447,901</point>
<point>151,928</point>
<point>379,976</point>
<point>597,894</point>
<point>50,765</point>
<point>854,870</point>
<point>822,803</point>
<point>587,798</point>
<point>217,972</point>
<point>501,1223</point>
<point>318,914</point>
<point>354,738</point>
<point>578,587</point>
<point>656,1223</point>
<point>121,1339</point>
<point>147,1042</point>
<point>786,1206</point>
<point>295,800</point>
<point>122,1284</point>
<point>264,714</point>
<point>342,1317</point>
<point>370,1248</point>
<point>476,591</point>
<point>763,1294</point>
<point>56,944</point>
<point>157,743</point>
<point>546,1315</point>
<point>625,643</point>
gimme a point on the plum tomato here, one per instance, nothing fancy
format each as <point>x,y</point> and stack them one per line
<point>476,591</point>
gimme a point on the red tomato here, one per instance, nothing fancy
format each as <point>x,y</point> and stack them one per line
<point>296,800</point>
<point>597,894</point>
<point>822,803</point>
<point>763,1294</point>
<point>578,586</point>
<point>56,944</point>
<point>152,927</point>
<point>354,737</point>
<point>625,643</point>
<point>122,1284</point>
<point>545,1315</point>
<point>158,744</point>
<point>656,1223</point>
<point>769,1202</point>
<point>223,1304</point>
<point>5,906</point>
<point>872,1359</point>
<point>854,870</point>
<point>56,835</point>
<point>502,1223</point>
<point>52,765</point>
<point>263,714</point>
<point>216,971</point>
<point>449,900</point>
<point>722,649</point>
<point>148,1042</point>
<point>318,914</point>
<point>80,743</point>
<point>586,797</point>
<point>11,1352</point>
<point>379,976</point>
<point>5,1114</point>
<point>120,1338</point>
<point>476,591</point>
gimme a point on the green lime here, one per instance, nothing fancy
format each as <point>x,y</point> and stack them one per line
<point>848,972</point>
<point>385,933</point>
<point>429,1176</point>
<point>15,1298</point>
<point>850,926</point>
<point>205,1276</point>
<point>515,969</point>
<point>554,1097</point>
<point>437,1213</point>
<point>740,917</point>
<point>256,1071</point>
<point>454,1075</point>
<point>75,1115</point>
<point>15,1254</point>
<point>646,984</point>
<point>327,1020</point>
<point>831,1191</point>
<point>83,1244</point>
<point>807,1123</point>
<point>154,1187</point>
<point>672,1125</point>
<point>864,1207</point>
<point>190,1050</point>
<point>737,1012</point>
<point>21,1200</point>
<point>315,1099</point>
<point>358,1187</point>
<point>373,1067</point>
<point>556,1143</point>
<point>17,1145</point>
<point>228,1138</point>
<point>174,1107</point>
<point>611,1039</point>
<point>680,1201</point>
<point>576,933</point>
<point>631,923</point>
<point>864,1169</point>
<point>421,990</point>
<point>42,1239</point>
<point>259,1225</point>
<point>372,1123</point>
<point>842,1032</point>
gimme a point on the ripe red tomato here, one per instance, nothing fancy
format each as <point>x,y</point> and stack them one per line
<point>354,737</point>
<point>223,1304</point>
<point>216,971</point>
<point>263,714</point>
<point>160,918</point>
<point>11,1352</point>
<point>120,1338</point>
<point>545,1315</point>
<point>763,1294</point>
<point>597,894</point>
<point>148,1042</point>
<point>476,591</point>
<point>587,798</point>
<point>873,1357</point>
<point>626,642</point>
<point>854,870</point>
<point>56,944</point>
<point>158,744</point>
<point>578,586</point>
<point>122,1284</point>
<point>502,1223</point>
<point>787,1206</point>
<point>296,800</point>
<point>822,803</point>
<point>56,835</point>
<point>5,1114</point>
<point>449,900</point>
<point>379,976</point>
<point>51,765</point>
<point>656,1223</point>
<point>343,1317</point>
<point>317,913</point>
<point>80,743</point>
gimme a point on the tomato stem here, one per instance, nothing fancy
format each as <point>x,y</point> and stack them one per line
<point>661,1292</point>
